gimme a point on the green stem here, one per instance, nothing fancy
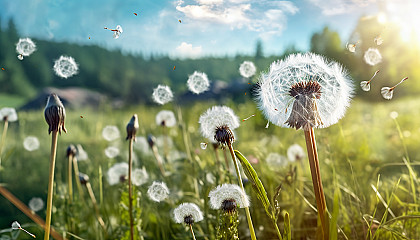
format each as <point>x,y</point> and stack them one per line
<point>130,193</point>
<point>50,184</point>
<point>3,137</point>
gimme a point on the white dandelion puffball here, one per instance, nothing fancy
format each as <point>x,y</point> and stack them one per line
<point>247,69</point>
<point>187,210</point>
<point>65,67</point>
<point>387,93</point>
<point>110,133</point>
<point>142,145</point>
<point>166,118</point>
<point>117,32</point>
<point>227,192</point>
<point>215,117</point>
<point>198,82</point>
<point>393,115</point>
<point>81,154</point>
<point>112,152</point>
<point>162,94</point>
<point>304,90</point>
<point>295,153</point>
<point>25,47</point>
<point>36,204</point>
<point>9,113</point>
<point>140,176</point>
<point>31,143</point>
<point>16,225</point>
<point>276,159</point>
<point>372,56</point>
<point>158,191</point>
<point>117,171</point>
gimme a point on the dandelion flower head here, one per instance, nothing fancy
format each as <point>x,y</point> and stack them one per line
<point>65,67</point>
<point>188,213</point>
<point>140,176</point>
<point>304,90</point>
<point>31,143</point>
<point>295,153</point>
<point>117,172</point>
<point>25,47</point>
<point>9,113</point>
<point>36,204</point>
<point>158,191</point>
<point>372,56</point>
<point>226,192</point>
<point>162,94</point>
<point>198,82</point>
<point>110,133</point>
<point>247,69</point>
<point>216,117</point>
<point>112,152</point>
<point>166,118</point>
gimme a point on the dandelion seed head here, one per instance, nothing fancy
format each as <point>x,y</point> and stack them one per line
<point>387,93</point>
<point>247,69</point>
<point>188,213</point>
<point>304,87</point>
<point>36,204</point>
<point>9,114</point>
<point>65,67</point>
<point>216,117</point>
<point>166,118</point>
<point>25,47</point>
<point>295,153</point>
<point>275,159</point>
<point>112,152</point>
<point>116,172</point>
<point>162,94</point>
<point>198,82</point>
<point>140,176</point>
<point>393,114</point>
<point>372,56</point>
<point>16,225</point>
<point>227,192</point>
<point>81,154</point>
<point>31,143</point>
<point>142,145</point>
<point>110,133</point>
<point>158,191</point>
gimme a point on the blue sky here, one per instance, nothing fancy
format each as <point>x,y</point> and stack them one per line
<point>209,27</point>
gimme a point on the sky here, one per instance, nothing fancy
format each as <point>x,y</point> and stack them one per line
<point>187,28</point>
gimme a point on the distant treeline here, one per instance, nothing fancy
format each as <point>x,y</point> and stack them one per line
<point>132,78</point>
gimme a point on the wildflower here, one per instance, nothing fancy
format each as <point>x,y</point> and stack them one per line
<point>188,213</point>
<point>65,67</point>
<point>117,173</point>
<point>140,176</point>
<point>55,114</point>
<point>275,159</point>
<point>217,124</point>
<point>227,197</point>
<point>8,114</point>
<point>247,69</point>
<point>198,82</point>
<point>295,153</point>
<point>162,94</point>
<point>319,92</point>
<point>36,204</point>
<point>112,152</point>
<point>372,56</point>
<point>388,92</point>
<point>158,191</point>
<point>166,118</point>
<point>110,133</point>
<point>31,143</point>
<point>132,127</point>
<point>25,47</point>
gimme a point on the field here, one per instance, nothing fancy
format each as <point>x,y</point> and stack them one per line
<point>366,150</point>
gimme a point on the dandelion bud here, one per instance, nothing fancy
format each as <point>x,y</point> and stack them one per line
<point>132,127</point>
<point>71,150</point>
<point>151,140</point>
<point>55,114</point>
<point>83,178</point>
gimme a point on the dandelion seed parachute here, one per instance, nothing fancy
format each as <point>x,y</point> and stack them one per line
<point>387,93</point>
<point>9,113</point>
<point>166,118</point>
<point>372,56</point>
<point>365,85</point>
<point>227,192</point>
<point>162,94</point>
<point>247,69</point>
<point>16,225</point>
<point>110,133</point>
<point>198,82</point>
<point>187,210</point>
<point>31,143</point>
<point>117,32</point>
<point>351,47</point>
<point>216,117</point>
<point>158,191</point>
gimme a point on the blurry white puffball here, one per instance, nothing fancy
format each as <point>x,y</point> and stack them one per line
<point>140,176</point>
<point>112,152</point>
<point>276,159</point>
<point>81,154</point>
<point>117,171</point>
<point>25,47</point>
<point>142,145</point>
<point>372,56</point>
<point>198,82</point>
<point>36,204</point>
<point>31,143</point>
<point>162,94</point>
<point>110,133</point>
<point>158,191</point>
<point>65,67</point>
<point>295,153</point>
<point>9,113</point>
<point>247,69</point>
<point>166,118</point>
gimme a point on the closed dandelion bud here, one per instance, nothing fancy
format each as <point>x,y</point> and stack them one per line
<point>83,178</point>
<point>71,150</point>
<point>132,127</point>
<point>55,114</point>
<point>151,140</point>
<point>188,213</point>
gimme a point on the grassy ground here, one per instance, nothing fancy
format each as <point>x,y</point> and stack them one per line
<point>366,150</point>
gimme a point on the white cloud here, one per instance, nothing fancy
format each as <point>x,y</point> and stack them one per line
<point>186,50</point>
<point>336,7</point>
<point>209,2</point>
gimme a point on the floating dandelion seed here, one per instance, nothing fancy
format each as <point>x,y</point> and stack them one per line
<point>110,133</point>
<point>372,56</point>
<point>351,47</point>
<point>166,118</point>
<point>117,173</point>
<point>16,226</point>
<point>275,159</point>
<point>216,117</point>
<point>198,82</point>
<point>295,153</point>
<point>25,47</point>
<point>158,191</point>
<point>221,197</point>
<point>65,67</point>
<point>388,92</point>
<point>140,176</point>
<point>162,94</point>
<point>188,213</point>
<point>203,145</point>
<point>253,115</point>
<point>365,85</point>
<point>247,69</point>
<point>117,31</point>
<point>31,143</point>
<point>8,114</point>
<point>36,204</point>
<point>112,152</point>
<point>378,40</point>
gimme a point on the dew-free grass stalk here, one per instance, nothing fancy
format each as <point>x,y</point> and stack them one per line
<point>50,184</point>
<point>316,181</point>
<point>3,137</point>
<point>192,231</point>
<point>130,193</point>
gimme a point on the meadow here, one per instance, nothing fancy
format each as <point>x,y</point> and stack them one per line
<point>369,165</point>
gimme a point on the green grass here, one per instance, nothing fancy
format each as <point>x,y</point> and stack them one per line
<point>352,153</point>
<point>14,101</point>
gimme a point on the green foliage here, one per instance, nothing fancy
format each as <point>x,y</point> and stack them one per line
<point>125,217</point>
<point>228,226</point>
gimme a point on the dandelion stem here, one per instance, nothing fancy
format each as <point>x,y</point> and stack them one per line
<point>69,177</point>
<point>158,159</point>
<point>130,193</point>
<point>238,173</point>
<point>165,143</point>
<point>316,181</point>
<point>76,175</point>
<point>95,206</point>
<point>50,184</point>
<point>3,137</point>
<point>226,159</point>
<point>192,232</point>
